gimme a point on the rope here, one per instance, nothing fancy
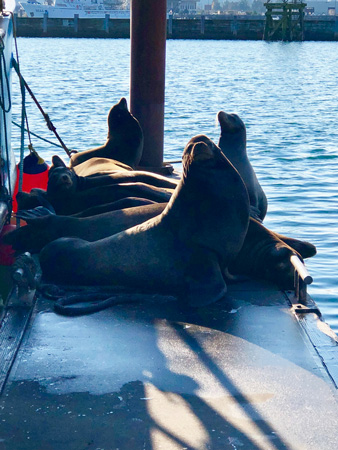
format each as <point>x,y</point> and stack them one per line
<point>23,116</point>
<point>49,123</point>
<point>81,300</point>
<point>37,136</point>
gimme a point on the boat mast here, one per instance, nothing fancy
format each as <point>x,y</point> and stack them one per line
<point>147,75</point>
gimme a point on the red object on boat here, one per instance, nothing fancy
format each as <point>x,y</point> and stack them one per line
<point>6,251</point>
<point>35,175</point>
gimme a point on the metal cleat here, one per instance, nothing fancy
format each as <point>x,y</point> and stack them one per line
<point>24,273</point>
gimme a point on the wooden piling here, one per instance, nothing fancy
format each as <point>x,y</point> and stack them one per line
<point>284,21</point>
<point>147,77</point>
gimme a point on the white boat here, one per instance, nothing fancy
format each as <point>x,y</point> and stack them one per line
<point>7,166</point>
<point>85,9</point>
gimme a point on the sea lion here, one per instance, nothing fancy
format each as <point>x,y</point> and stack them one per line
<point>232,142</point>
<point>124,142</point>
<point>64,180</point>
<point>77,201</point>
<point>127,202</point>
<point>266,255</point>
<point>182,250</point>
<point>42,230</point>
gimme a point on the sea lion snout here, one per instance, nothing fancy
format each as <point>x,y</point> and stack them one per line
<point>230,123</point>
<point>122,104</point>
<point>61,179</point>
<point>201,152</point>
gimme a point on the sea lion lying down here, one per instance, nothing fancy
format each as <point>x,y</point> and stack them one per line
<point>184,251</point>
<point>80,200</point>
<point>264,254</point>
<point>69,193</point>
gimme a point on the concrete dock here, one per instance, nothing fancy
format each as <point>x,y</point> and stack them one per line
<point>245,373</point>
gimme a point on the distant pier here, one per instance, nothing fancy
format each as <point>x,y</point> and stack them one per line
<point>227,27</point>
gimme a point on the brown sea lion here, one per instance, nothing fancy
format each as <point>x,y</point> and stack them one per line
<point>124,142</point>
<point>64,180</point>
<point>180,251</point>
<point>74,202</point>
<point>232,142</point>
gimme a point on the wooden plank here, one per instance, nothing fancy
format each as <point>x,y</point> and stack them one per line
<point>12,329</point>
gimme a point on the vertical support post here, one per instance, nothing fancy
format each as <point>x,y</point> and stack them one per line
<point>170,27</point>
<point>202,24</point>
<point>234,26</point>
<point>147,75</point>
<point>76,23</point>
<point>45,22</point>
<point>106,23</point>
<point>301,19</point>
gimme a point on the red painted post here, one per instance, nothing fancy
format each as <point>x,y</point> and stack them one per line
<point>147,75</point>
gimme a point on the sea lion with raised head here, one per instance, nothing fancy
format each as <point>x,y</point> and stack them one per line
<point>182,250</point>
<point>232,142</point>
<point>124,142</point>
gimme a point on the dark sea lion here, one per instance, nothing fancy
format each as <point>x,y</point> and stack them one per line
<point>232,142</point>
<point>266,255</point>
<point>64,180</point>
<point>42,230</point>
<point>178,252</point>
<point>29,200</point>
<point>75,202</point>
<point>124,142</point>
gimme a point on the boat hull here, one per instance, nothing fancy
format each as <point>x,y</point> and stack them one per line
<point>7,168</point>
<point>34,10</point>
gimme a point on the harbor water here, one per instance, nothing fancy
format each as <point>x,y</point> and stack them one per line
<point>286,94</point>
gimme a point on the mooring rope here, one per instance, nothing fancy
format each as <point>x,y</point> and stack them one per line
<point>37,136</point>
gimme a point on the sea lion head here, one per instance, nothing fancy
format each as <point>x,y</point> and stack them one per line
<point>61,179</point>
<point>266,257</point>
<point>127,134</point>
<point>117,115</point>
<point>202,152</point>
<point>233,132</point>
<point>278,267</point>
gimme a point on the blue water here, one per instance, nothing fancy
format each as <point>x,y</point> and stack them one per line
<point>286,93</point>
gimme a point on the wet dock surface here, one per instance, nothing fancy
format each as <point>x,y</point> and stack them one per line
<point>240,374</point>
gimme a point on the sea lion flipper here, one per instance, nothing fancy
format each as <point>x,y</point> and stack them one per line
<point>304,248</point>
<point>39,211</point>
<point>204,281</point>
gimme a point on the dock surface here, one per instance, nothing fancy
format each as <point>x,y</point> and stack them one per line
<point>244,373</point>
